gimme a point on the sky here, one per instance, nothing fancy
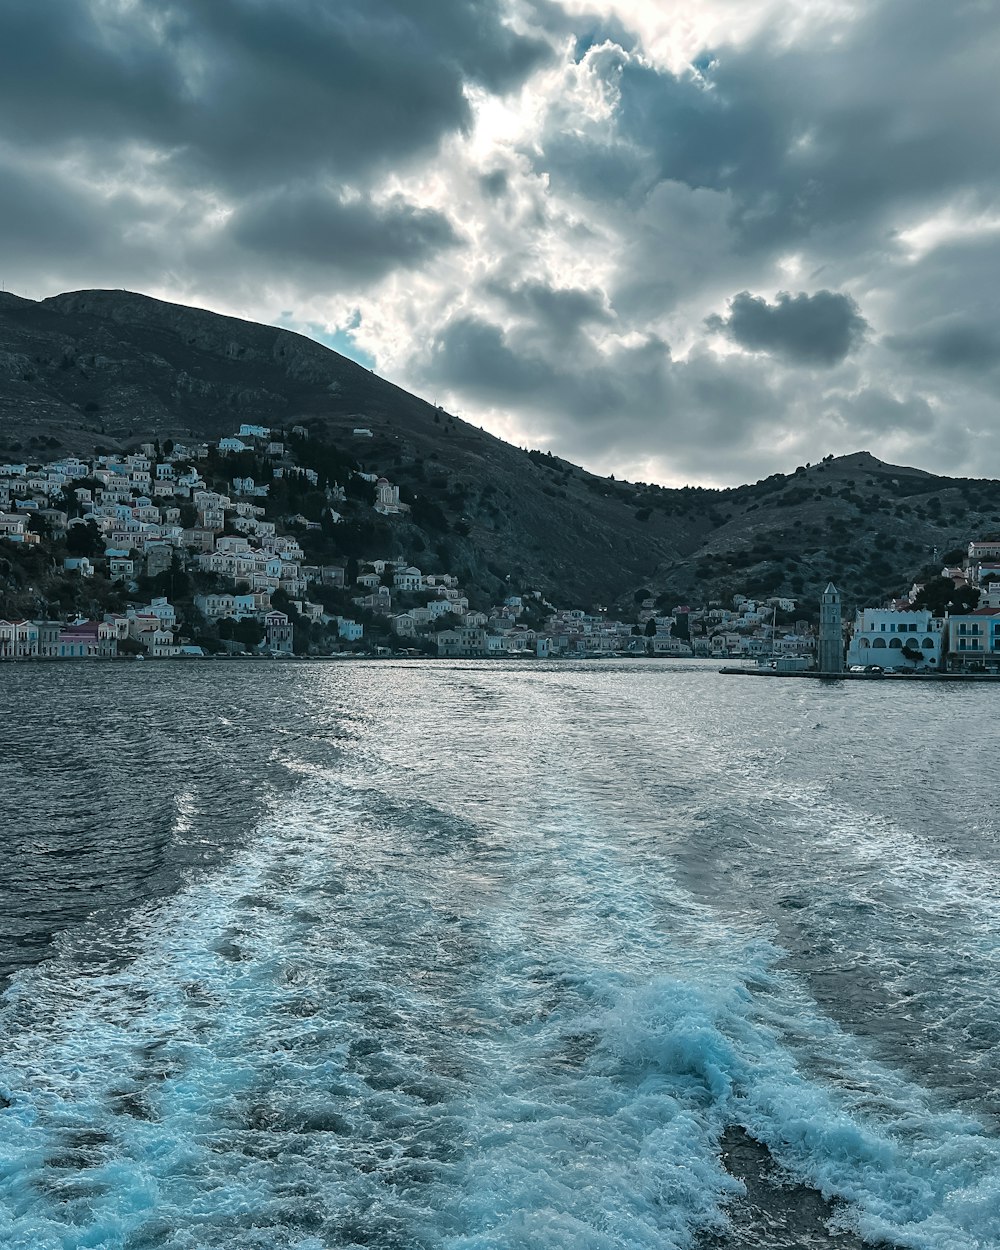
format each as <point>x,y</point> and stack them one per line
<point>696,242</point>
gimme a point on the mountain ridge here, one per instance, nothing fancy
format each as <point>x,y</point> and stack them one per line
<point>112,368</point>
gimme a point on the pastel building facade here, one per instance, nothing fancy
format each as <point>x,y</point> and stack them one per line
<point>974,639</point>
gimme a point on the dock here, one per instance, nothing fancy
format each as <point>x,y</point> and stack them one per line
<point>816,675</point>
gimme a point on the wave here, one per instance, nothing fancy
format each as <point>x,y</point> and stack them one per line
<point>381,1025</point>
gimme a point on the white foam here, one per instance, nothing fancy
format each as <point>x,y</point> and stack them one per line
<point>509,1028</point>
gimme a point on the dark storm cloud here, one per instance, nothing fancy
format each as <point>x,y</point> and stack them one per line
<point>560,311</point>
<point>37,211</point>
<point>623,402</point>
<point>263,154</point>
<point>596,168</point>
<point>355,238</point>
<point>955,343</point>
<point>874,412</point>
<point>825,135</point>
<point>56,235</point>
<point>700,418</point>
<point>503,367</point>
<point>474,355</point>
<point>820,329</point>
<point>246,91</point>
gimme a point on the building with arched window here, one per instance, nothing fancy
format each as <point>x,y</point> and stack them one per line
<point>897,638</point>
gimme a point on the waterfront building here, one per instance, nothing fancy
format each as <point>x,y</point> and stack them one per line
<point>86,640</point>
<point>18,639</point>
<point>278,632</point>
<point>464,641</point>
<point>897,638</point>
<point>973,640</point>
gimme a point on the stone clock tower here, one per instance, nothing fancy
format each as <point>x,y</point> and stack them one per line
<point>831,634</point>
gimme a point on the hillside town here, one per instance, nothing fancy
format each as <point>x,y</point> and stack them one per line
<point>223,550</point>
<point>230,563</point>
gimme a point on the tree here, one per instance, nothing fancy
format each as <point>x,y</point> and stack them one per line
<point>84,540</point>
<point>39,524</point>
<point>965,599</point>
<point>357,488</point>
<point>428,515</point>
<point>248,632</point>
<point>651,627</point>
<point>941,595</point>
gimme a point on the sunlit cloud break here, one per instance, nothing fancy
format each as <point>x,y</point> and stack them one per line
<point>687,242</point>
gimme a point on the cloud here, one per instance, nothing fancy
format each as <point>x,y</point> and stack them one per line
<point>821,329</point>
<point>625,402</point>
<point>825,132</point>
<point>518,204</point>
<point>557,314</point>
<point>953,343</point>
<point>239,93</point>
<point>357,239</point>
<point>473,355</point>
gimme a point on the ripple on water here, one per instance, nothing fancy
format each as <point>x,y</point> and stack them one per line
<point>528,994</point>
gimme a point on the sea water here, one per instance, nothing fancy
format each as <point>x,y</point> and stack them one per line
<point>490,955</point>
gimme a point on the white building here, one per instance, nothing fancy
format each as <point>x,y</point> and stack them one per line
<point>408,579</point>
<point>386,497</point>
<point>18,639</point>
<point>12,525</point>
<point>897,639</point>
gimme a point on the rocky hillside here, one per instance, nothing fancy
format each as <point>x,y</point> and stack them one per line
<point>113,368</point>
<point>109,368</point>
<point>870,527</point>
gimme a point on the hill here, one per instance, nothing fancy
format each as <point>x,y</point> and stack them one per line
<point>114,368</point>
<point>870,527</point>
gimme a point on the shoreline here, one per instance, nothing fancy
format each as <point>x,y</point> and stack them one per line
<point>897,676</point>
